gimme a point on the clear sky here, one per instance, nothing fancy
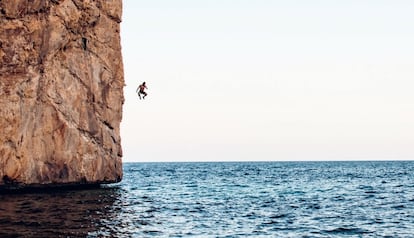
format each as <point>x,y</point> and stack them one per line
<point>268,80</point>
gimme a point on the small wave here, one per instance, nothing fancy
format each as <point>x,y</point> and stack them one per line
<point>347,231</point>
<point>399,207</point>
<point>278,216</point>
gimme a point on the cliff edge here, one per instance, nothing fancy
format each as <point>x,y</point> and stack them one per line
<point>61,92</point>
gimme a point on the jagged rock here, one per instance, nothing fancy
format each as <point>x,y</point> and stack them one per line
<point>61,92</point>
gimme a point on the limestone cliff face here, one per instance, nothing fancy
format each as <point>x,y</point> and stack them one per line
<point>61,92</point>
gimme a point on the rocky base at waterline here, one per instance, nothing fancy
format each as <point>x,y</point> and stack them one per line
<point>61,92</point>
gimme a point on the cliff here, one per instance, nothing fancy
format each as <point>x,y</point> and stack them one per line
<point>61,92</point>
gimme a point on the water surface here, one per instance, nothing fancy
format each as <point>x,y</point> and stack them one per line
<point>269,199</point>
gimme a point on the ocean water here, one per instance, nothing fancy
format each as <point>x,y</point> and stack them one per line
<point>257,199</point>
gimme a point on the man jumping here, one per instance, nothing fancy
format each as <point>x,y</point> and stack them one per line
<point>141,90</point>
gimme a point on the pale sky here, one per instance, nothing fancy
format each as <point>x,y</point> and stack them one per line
<point>268,80</point>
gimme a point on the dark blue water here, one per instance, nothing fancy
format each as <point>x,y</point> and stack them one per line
<point>274,199</point>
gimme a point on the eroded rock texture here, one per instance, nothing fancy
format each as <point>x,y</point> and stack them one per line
<point>61,92</point>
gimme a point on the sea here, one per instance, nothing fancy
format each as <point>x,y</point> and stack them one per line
<point>225,199</point>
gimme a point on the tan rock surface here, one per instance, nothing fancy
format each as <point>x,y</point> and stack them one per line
<point>61,92</point>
